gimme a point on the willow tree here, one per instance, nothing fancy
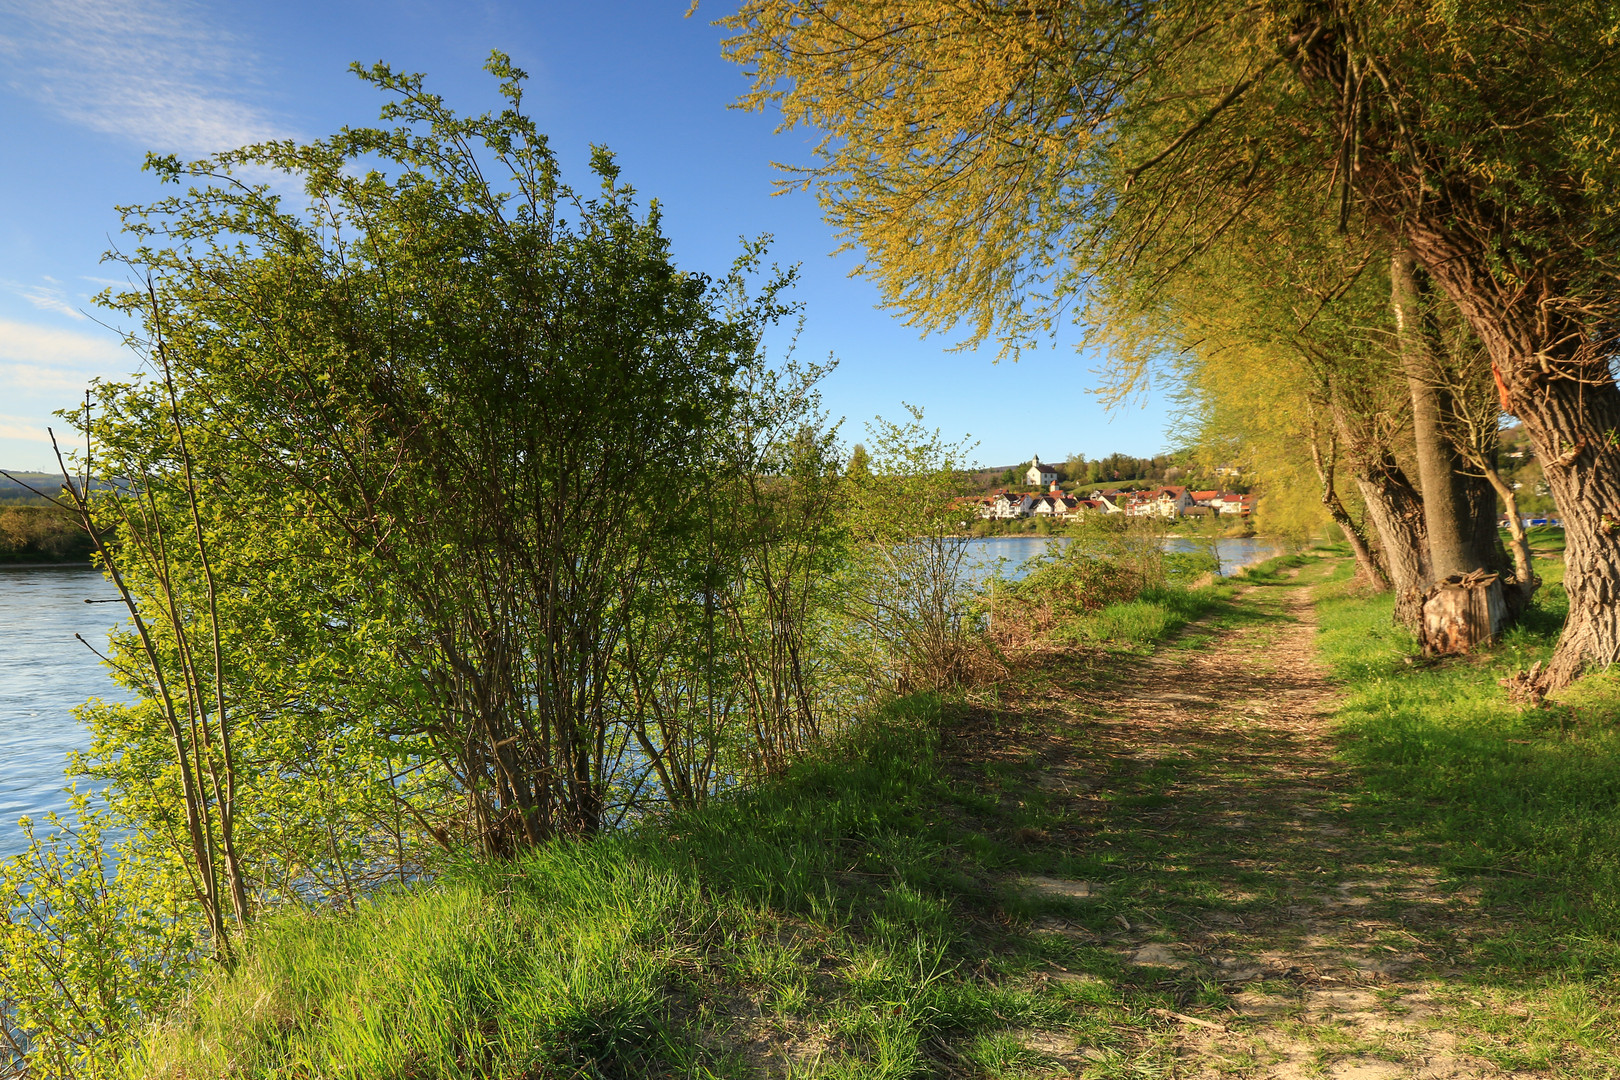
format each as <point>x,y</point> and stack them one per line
<point>1328,420</point>
<point>1284,310</point>
<point>981,154</point>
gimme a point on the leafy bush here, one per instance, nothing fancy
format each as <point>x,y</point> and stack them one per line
<point>96,942</point>
<point>1182,567</point>
<point>1076,583</point>
<point>1106,561</point>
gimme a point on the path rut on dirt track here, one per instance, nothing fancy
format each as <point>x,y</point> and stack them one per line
<point>1213,764</point>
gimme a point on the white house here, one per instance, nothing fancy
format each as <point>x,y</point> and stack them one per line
<point>1010,504</point>
<point>1109,502</point>
<point>1228,504</point>
<point>1165,502</point>
<point>1038,475</point>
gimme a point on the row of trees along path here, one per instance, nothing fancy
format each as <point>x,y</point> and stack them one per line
<point>1009,171</point>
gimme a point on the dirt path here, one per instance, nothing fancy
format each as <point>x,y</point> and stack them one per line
<point>1293,946</point>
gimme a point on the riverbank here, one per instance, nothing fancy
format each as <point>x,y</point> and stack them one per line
<point>1227,855</point>
<point>41,534</point>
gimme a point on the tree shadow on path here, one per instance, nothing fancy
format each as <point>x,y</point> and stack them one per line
<point>1191,848</point>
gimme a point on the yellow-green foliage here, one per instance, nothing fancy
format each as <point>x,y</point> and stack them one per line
<point>96,942</point>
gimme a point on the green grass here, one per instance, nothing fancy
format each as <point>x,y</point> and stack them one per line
<point>1545,539</point>
<point>859,917</point>
<point>1154,617</point>
<point>863,916</point>
<point>837,918</point>
<point>1522,805</point>
<point>1158,615</point>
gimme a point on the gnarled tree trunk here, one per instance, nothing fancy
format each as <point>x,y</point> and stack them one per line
<point>1394,506</point>
<point>1396,511</point>
<point>1559,386</point>
<point>1367,563</point>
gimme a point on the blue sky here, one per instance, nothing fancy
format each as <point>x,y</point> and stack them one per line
<point>88,86</point>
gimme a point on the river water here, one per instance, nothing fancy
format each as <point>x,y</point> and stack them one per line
<point>45,673</point>
<point>1008,553</point>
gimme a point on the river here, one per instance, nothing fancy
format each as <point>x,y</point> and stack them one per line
<point>1010,552</point>
<point>45,673</point>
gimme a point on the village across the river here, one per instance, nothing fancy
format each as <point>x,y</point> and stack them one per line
<point>1056,504</point>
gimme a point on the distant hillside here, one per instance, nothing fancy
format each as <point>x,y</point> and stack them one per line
<point>14,493</point>
<point>1114,471</point>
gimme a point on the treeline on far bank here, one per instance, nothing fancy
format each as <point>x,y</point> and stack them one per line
<point>41,534</point>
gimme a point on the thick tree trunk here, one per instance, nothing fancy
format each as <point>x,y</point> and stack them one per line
<point>1571,426</point>
<point>1450,508</point>
<point>1480,517</point>
<point>1396,511</point>
<point>1394,508</point>
<point>1367,564</point>
<point>1566,398</point>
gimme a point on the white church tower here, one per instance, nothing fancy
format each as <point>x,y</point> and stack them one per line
<point>1040,475</point>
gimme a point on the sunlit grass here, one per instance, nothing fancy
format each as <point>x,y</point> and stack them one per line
<point>1153,617</point>
<point>1521,804</point>
<point>861,916</point>
<point>821,915</point>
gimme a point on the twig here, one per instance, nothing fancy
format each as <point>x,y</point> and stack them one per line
<point>1495,870</point>
<point>1185,1019</point>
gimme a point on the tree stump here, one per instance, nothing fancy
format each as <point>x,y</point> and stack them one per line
<point>1461,613</point>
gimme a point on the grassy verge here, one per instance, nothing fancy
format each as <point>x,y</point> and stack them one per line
<point>1521,806</point>
<point>860,917</point>
<point>836,920</point>
<point>1155,616</point>
<point>1048,879</point>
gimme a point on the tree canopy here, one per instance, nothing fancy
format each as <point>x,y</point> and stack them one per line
<point>1001,166</point>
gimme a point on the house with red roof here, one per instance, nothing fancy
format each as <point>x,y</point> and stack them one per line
<point>1165,502</point>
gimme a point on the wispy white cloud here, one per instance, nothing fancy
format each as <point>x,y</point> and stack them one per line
<point>152,71</point>
<point>22,427</point>
<point>48,297</point>
<point>48,380</point>
<point>47,348</point>
<point>42,369</point>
